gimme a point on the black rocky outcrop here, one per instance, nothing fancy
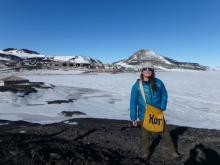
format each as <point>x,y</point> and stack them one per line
<point>100,141</point>
<point>60,101</point>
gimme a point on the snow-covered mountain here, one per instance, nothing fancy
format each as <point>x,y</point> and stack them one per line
<point>141,57</point>
<point>14,54</point>
<point>22,53</point>
<point>136,61</point>
<point>77,59</point>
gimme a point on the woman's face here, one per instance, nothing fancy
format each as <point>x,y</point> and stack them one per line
<point>147,72</point>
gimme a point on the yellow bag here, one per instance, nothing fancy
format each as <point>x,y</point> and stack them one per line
<point>153,117</point>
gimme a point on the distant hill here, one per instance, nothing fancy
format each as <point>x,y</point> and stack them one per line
<point>15,54</point>
<point>141,57</point>
<point>13,50</point>
<point>77,59</point>
<point>134,62</point>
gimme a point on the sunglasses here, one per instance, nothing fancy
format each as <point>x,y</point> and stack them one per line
<point>148,69</point>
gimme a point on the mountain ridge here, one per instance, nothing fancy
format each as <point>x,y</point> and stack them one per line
<point>142,56</point>
<point>26,53</point>
<point>133,62</point>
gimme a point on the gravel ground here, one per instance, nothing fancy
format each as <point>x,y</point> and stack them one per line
<point>100,141</point>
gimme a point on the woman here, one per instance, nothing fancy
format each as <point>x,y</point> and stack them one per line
<point>156,95</point>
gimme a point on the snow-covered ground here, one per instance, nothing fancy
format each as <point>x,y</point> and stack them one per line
<point>194,97</point>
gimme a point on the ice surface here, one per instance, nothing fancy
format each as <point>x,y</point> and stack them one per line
<point>194,97</point>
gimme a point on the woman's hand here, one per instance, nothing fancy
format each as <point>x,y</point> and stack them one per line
<point>135,123</point>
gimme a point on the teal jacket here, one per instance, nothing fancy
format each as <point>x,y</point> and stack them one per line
<point>157,98</point>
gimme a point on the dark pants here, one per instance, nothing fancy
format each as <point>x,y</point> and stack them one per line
<point>146,139</point>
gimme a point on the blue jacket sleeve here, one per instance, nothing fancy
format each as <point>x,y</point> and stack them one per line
<point>164,97</point>
<point>134,102</point>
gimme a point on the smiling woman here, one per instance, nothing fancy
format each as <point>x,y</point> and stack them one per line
<point>149,91</point>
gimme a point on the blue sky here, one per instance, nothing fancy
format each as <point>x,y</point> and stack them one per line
<point>111,30</point>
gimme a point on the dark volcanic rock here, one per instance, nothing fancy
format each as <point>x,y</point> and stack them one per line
<point>100,141</point>
<point>72,113</point>
<point>20,91</point>
<point>41,85</point>
<point>9,49</point>
<point>60,101</point>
